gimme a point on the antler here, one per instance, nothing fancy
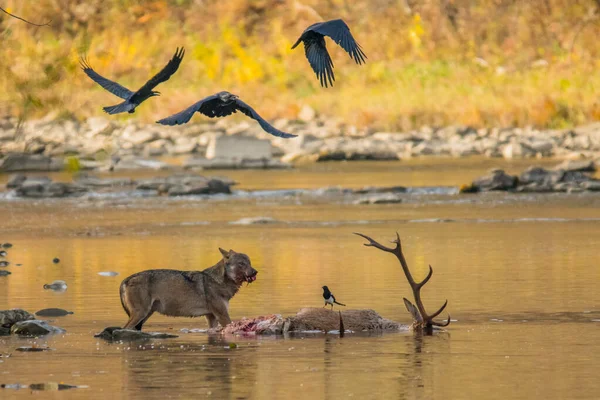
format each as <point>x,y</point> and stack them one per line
<point>423,319</point>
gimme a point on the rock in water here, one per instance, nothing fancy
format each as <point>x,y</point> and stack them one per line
<point>7,245</point>
<point>3,253</point>
<point>15,181</point>
<point>575,165</point>
<point>34,327</point>
<point>380,199</point>
<point>54,386</point>
<point>58,286</point>
<point>9,317</point>
<point>496,180</point>
<point>53,312</point>
<point>254,221</point>
<point>56,260</point>
<point>113,333</point>
<point>40,189</point>
<point>4,273</point>
<point>108,273</point>
<point>4,263</point>
<point>32,349</point>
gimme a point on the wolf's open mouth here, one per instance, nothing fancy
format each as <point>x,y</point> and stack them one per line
<point>251,278</point>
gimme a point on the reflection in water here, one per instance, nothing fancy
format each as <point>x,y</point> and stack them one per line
<point>522,287</point>
<point>208,369</point>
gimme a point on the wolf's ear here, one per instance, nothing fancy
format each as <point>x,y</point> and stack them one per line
<point>231,252</point>
<point>413,311</point>
<point>225,253</point>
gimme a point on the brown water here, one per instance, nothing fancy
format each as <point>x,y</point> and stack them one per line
<point>520,272</point>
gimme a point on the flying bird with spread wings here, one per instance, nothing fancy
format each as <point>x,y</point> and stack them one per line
<point>222,104</point>
<point>133,99</point>
<point>316,51</point>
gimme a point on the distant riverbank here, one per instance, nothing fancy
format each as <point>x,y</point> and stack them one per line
<point>99,143</point>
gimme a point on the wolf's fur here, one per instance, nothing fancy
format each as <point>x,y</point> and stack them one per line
<point>186,293</point>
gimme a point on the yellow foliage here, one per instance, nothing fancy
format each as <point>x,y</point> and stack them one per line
<point>420,68</point>
<point>72,164</point>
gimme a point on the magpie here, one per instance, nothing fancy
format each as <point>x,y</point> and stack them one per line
<point>330,298</point>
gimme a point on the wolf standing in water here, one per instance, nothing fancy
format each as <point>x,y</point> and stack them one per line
<point>186,293</point>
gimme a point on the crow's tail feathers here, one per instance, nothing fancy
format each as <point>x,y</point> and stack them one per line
<point>339,304</point>
<point>119,108</point>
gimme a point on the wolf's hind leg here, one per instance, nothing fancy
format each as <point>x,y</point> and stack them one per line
<point>139,315</point>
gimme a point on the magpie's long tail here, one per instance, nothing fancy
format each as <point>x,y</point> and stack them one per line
<point>339,304</point>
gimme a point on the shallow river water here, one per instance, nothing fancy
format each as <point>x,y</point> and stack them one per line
<point>520,272</point>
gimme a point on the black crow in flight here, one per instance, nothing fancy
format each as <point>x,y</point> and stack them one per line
<point>134,99</point>
<point>316,51</point>
<point>221,105</point>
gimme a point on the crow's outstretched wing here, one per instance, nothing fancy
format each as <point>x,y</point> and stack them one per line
<point>164,74</point>
<point>107,84</point>
<point>319,59</point>
<point>340,33</point>
<point>249,111</point>
<point>182,117</point>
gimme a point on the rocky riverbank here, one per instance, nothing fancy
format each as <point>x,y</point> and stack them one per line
<point>569,177</point>
<point>102,143</point>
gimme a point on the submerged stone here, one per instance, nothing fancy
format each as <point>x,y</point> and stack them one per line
<point>41,386</point>
<point>108,273</point>
<point>32,349</point>
<point>53,312</point>
<point>58,286</point>
<point>380,199</point>
<point>254,221</point>
<point>378,190</point>
<point>34,327</point>
<point>115,333</point>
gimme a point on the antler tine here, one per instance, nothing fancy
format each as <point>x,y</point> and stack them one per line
<point>427,278</point>
<point>373,243</point>
<point>438,312</point>
<point>440,323</point>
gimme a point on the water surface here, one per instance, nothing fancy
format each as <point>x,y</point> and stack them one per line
<point>520,273</point>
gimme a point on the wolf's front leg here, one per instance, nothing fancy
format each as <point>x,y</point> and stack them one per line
<point>220,312</point>
<point>212,321</point>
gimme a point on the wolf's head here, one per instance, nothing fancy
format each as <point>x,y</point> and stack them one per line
<point>238,267</point>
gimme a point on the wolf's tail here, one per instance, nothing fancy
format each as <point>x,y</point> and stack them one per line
<point>120,108</point>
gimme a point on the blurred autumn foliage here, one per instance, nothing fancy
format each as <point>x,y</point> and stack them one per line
<point>478,62</point>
